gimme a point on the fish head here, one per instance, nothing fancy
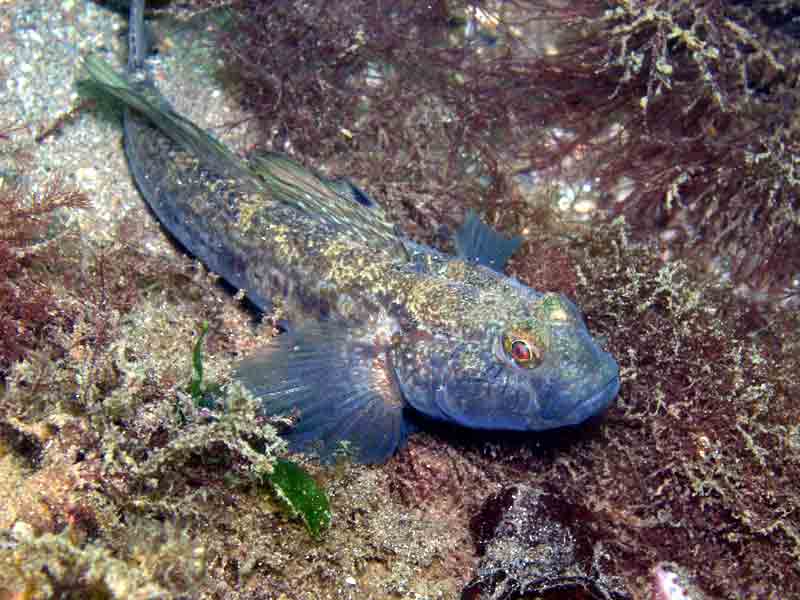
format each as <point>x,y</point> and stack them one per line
<point>527,372</point>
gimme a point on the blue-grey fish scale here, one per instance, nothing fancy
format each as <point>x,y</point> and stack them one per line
<point>378,323</point>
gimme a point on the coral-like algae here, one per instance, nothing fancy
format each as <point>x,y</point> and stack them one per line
<point>293,486</point>
<point>54,566</point>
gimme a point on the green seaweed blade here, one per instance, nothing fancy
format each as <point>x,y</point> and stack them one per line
<point>301,494</point>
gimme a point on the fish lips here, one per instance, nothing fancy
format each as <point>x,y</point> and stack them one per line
<point>586,408</point>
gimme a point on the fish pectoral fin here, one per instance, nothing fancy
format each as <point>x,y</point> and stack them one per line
<point>478,242</point>
<point>341,389</point>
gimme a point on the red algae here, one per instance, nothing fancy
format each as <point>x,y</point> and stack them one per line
<point>694,465</point>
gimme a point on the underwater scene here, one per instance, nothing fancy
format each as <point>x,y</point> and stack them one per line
<point>483,300</point>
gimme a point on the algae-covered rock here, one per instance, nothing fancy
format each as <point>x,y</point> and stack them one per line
<point>53,566</point>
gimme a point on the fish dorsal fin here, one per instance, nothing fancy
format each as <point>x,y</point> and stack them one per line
<point>337,202</point>
<point>346,188</point>
<point>479,243</point>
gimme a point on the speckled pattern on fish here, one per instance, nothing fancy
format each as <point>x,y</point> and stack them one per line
<point>379,326</point>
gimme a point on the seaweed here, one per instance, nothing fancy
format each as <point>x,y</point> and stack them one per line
<point>301,495</point>
<point>55,566</point>
<point>30,228</point>
<point>688,127</point>
<point>677,114</point>
<point>293,486</point>
<point>694,465</point>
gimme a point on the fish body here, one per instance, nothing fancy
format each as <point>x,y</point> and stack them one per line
<point>380,326</point>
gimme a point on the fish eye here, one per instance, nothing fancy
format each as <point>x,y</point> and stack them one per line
<point>522,352</point>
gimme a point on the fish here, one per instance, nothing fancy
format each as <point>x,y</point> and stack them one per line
<point>380,329</point>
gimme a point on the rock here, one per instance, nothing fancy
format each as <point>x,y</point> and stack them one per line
<point>526,542</point>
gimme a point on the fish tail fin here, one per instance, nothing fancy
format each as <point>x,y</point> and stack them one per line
<point>143,98</point>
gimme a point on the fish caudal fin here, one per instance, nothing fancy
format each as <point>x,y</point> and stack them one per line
<point>144,99</point>
<point>341,390</point>
<point>137,38</point>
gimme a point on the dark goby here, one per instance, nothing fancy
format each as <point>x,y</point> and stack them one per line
<point>380,326</point>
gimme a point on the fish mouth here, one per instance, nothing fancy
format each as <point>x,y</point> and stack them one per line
<point>588,407</point>
<point>513,405</point>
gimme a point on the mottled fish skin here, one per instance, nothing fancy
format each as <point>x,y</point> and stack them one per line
<point>378,323</point>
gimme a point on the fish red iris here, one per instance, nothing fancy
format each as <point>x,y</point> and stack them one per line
<point>520,351</point>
